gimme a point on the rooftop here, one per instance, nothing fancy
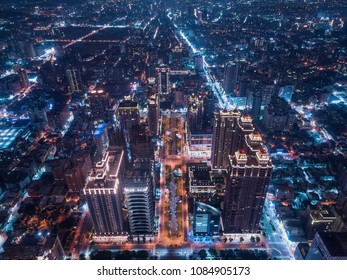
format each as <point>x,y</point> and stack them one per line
<point>99,130</point>
<point>8,136</point>
<point>335,242</point>
<point>199,173</point>
<point>107,170</point>
<point>127,104</point>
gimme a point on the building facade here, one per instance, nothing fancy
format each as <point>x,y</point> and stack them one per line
<point>247,181</point>
<point>103,193</point>
<point>328,246</point>
<point>229,131</point>
<point>139,201</point>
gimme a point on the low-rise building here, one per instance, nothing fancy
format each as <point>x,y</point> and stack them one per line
<point>200,180</point>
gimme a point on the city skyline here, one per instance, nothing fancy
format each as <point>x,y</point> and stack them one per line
<point>186,130</point>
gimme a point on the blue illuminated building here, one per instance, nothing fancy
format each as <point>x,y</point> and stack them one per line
<point>9,135</point>
<point>99,130</point>
<point>286,93</point>
<point>206,219</point>
<point>101,141</point>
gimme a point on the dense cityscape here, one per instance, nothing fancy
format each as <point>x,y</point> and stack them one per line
<point>189,129</point>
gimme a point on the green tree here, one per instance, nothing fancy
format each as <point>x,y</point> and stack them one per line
<point>101,255</point>
<point>202,254</point>
<point>262,255</point>
<point>125,255</point>
<point>227,255</point>
<point>141,254</point>
<point>212,252</point>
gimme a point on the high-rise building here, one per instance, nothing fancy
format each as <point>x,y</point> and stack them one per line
<point>228,131</point>
<point>193,120</point>
<point>259,41</point>
<point>286,92</point>
<point>128,114</point>
<point>190,10</point>
<point>153,114</point>
<point>256,104</point>
<point>9,85</point>
<point>245,127</point>
<point>177,58</point>
<point>195,113</point>
<point>224,129</point>
<point>341,201</point>
<point>267,93</point>
<point>199,62</point>
<point>141,146</point>
<point>101,141</point>
<point>38,246</point>
<point>49,75</point>
<point>301,251</point>
<point>103,193</point>
<point>74,79</point>
<point>242,67</point>
<point>247,181</point>
<point>139,200</point>
<point>199,15</point>
<point>73,179</point>
<point>328,246</point>
<point>99,102</point>
<point>154,56</point>
<point>322,218</point>
<point>163,80</point>
<point>38,114</point>
<point>150,73</point>
<point>25,47</point>
<point>278,115</point>
<point>204,15</point>
<point>23,78</point>
<point>230,77</point>
<point>180,100</point>
<point>75,175</point>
